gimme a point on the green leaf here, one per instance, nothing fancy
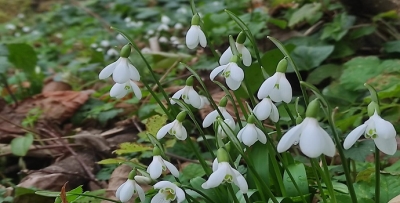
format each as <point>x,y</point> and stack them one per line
<point>112,161</point>
<point>338,28</point>
<point>104,116</point>
<point>299,175</point>
<point>324,72</point>
<point>364,190</point>
<point>192,170</point>
<point>281,200</point>
<point>307,12</point>
<point>22,56</point>
<point>362,31</point>
<point>259,155</point>
<point>211,193</point>
<point>390,187</point>
<point>127,148</point>
<point>154,123</point>
<point>308,57</point>
<point>360,150</point>
<point>392,46</point>
<point>20,145</point>
<point>271,58</point>
<point>358,70</point>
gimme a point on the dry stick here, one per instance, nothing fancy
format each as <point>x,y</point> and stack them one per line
<point>85,168</point>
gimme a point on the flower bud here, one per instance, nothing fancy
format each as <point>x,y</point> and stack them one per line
<point>372,107</point>
<point>196,19</point>
<point>125,51</point>
<point>222,155</point>
<point>282,66</point>
<point>241,38</point>
<point>156,151</point>
<point>223,102</point>
<point>181,116</point>
<point>313,109</point>
<point>189,81</point>
<point>132,174</point>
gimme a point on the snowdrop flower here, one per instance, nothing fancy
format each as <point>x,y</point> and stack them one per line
<point>99,49</point>
<point>93,45</point>
<point>243,51</point>
<point>128,19</point>
<point>225,127</point>
<point>204,101</point>
<point>313,140</point>
<point>195,35</point>
<point>167,193</point>
<point>120,90</point>
<point>266,109</point>
<point>188,94</point>
<point>182,10</point>
<point>277,87</point>
<point>126,190</point>
<point>224,173</point>
<point>158,165</point>
<point>162,27</point>
<point>250,133</point>
<point>233,74</point>
<point>376,128</point>
<point>150,32</point>
<point>11,27</point>
<point>105,43</point>
<point>112,52</point>
<point>165,19</point>
<point>26,29</point>
<point>178,26</point>
<point>174,128</point>
<point>122,70</point>
<point>163,39</point>
<point>212,116</point>
<point>21,15</point>
<point>143,180</point>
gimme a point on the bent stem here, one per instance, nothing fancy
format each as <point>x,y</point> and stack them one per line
<point>377,175</point>
<point>314,166</point>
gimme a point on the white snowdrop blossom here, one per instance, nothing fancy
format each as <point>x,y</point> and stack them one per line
<point>174,128</point>
<point>194,36</point>
<point>112,52</point>
<point>178,26</point>
<point>232,73</point>
<point>10,26</point>
<point>163,39</point>
<point>224,173</point>
<point>204,101</point>
<point>99,49</point>
<point>277,87</point>
<point>266,109</point>
<point>105,43</point>
<point>226,127</point>
<point>250,133</point>
<point>378,129</point>
<point>121,70</point>
<point>26,29</point>
<point>188,94</point>
<point>126,190</point>
<point>167,193</point>
<point>227,55</point>
<point>212,116</point>
<point>163,27</point>
<point>158,165</point>
<point>120,90</point>
<point>312,139</point>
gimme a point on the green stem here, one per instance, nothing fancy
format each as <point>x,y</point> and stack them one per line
<point>158,101</point>
<point>199,192</point>
<point>201,159</point>
<point>277,171</point>
<point>314,169</point>
<point>377,175</point>
<point>232,193</point>
<point>328,180</point>
<point>289,113</point>
<point>94,196</point>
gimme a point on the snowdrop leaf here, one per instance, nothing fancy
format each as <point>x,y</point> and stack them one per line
<point>300,177</point>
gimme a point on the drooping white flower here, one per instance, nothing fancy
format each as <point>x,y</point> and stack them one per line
<point>174,128</point>
<point>105,43</point>
<point>194,36</point>
<point>250,133</point>
<point>165,19</point>
<point>188,94</point>
<point>112,52</point>
<point>245,53</point>
<point>158,165</point>
<point>126,190</point>
<point>378,129</point>
<point>266,109</point>
<point>167,193</point>
<point>204,101</point>
<point>212,116</point>
<point>225,127</point>
<point>312,139</point>
<point>178,26</point>
<point>224,173</point>
<point>122,70</point>
<point>233,74</point>
<point>277,87</point>
<point>120,90</point>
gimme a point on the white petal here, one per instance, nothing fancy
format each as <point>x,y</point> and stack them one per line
<point>240,181</point>
<point>177,95</point>
<point>217,177</point>
<point>311,142</point>
<point>267,87</point>
<point>289,138</point>
<point>285,89</point>
<point>127,191</point>
<point>275,95</point>
<point>261,136</point>
<point>108,70</point>
<point>192,37</point>
<point>155,168</point>
<point>236,72</point>
<point>181,133</point>
<point>121,73</point>
<point>194,98</point>
<point>118,192</point>
<point>164,130</point>
<point>118,90</point>
<point>249,135</point>
<point>225,114</point>
<point>329,146</point>
<point>240,134</point>
<point>159,198</point>
<point>263,109</point>
<point>233,84</point>
<point>180,195</point>
<point>140,192</point>
<point>274,114</point>
<point>164,184</point>
<point>202,37</point>
<point>136,89</point>
<point>210,119</point>
<point>216,71</point>
<point>174,171</point>
<point>387,146</point>
<point>134,73</point>
<point>246,57</point>
<point>226,56</point>
<point>215,164</point>
<point>353,136</point>
<point>384,129</point>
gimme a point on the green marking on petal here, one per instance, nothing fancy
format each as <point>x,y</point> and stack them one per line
<point>127,87</point>
<point>276,86</point>
<point>228,178</point>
